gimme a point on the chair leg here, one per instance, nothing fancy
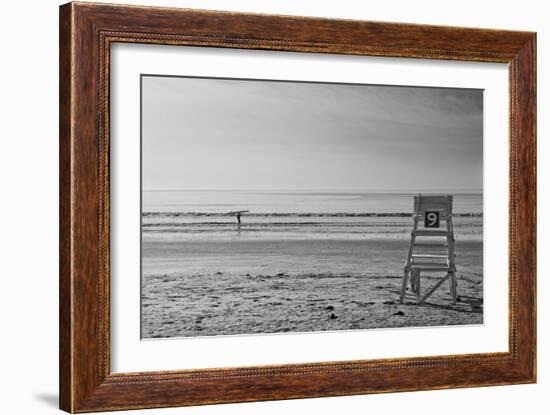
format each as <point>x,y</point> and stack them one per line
<point>416,278</point>
<point>452,283</point>
<point>404,285</point>
<point>456,286</point>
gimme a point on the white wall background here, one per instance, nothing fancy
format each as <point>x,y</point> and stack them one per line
<point>29,207</point>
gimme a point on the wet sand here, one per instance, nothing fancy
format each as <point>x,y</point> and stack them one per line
<point>273,286</point>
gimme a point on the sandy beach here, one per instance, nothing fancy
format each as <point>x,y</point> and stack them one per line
<point>269,286</point>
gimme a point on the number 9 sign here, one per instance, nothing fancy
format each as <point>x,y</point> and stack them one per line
<point>431,219</point>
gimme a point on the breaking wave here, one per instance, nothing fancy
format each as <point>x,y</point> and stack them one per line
<point>299,215</point>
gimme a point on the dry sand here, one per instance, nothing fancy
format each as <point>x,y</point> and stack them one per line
<point>268,287</point>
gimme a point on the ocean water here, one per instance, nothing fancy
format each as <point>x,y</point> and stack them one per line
<point>202,215</point>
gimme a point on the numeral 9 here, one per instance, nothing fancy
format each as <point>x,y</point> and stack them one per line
<point>432,218</point>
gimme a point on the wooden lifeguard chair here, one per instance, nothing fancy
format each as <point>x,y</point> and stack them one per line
<point>431,248</point>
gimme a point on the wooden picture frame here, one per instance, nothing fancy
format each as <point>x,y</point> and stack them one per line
<point>86,33</point>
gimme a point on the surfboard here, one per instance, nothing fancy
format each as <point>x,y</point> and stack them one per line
<point>237,211</point>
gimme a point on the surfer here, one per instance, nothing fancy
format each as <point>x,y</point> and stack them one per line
<point>237,214</point>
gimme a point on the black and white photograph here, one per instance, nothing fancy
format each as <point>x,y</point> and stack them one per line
<point>274,206</point>
<point>277,206</point>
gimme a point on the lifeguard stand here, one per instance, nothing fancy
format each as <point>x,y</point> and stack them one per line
<point>431,248</point>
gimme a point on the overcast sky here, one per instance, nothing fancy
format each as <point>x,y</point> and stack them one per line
<point>209,134</point>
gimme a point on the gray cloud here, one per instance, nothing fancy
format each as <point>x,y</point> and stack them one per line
<point>231,134</point>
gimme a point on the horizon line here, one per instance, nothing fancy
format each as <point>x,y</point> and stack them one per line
<point>373,191</point>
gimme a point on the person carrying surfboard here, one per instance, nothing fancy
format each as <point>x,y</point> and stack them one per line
<point>238,214</point>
